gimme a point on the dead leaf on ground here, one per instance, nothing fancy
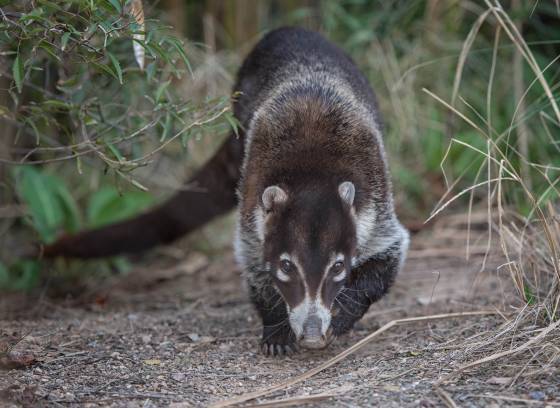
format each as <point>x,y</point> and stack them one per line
<point>17,359</point>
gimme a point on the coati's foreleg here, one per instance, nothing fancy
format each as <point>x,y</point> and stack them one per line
<point>367,284</point>
<point>278,337</point>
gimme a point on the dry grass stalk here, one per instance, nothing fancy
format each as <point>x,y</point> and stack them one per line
<point>445,397</point>
<point>530,244</point>
<point>525,346</point>
<point>298,401</point>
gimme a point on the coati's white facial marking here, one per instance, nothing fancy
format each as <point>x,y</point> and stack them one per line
<point>285,257</point>
<point>309,307</point>
<point>340,277</point>
<point>313,307</point>
<point>282,276</point>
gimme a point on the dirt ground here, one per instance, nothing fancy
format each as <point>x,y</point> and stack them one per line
<point>185,335</point>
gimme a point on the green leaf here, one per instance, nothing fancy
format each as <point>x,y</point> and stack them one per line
<point>117,66</point>
<point>55,104</point>
<point>17,71</point>
<point>23,275</point>
<point>107,206</point>
<point>44,207</point>
<point>117,5</point>
<point>31,123</point>
<point>529,296</point>
<point>115,152</point>
<point>179,47</point>
<point>106,69</point>
<point>50,204</point>
<point>151,71</point>
<point>233,122</point>
<point>161,89</point>
<point>64,40</point>
<point>166,127</point>
<point>49,49</point>
<point>71,213</point>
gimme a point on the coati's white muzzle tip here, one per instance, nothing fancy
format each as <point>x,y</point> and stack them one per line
<point>316,343</point>
<point>312,336</point>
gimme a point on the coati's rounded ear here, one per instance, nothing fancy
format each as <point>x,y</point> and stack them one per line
<point>347,192</point>
<point>272,196</point>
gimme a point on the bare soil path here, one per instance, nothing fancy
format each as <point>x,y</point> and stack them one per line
<point>187,336</point>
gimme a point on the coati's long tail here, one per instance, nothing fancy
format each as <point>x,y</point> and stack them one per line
<point>212,192</point>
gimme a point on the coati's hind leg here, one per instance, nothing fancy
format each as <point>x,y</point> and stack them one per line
<point>278,337</point>
<point>369,282</point>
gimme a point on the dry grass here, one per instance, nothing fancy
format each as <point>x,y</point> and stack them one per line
<point>529,244</point>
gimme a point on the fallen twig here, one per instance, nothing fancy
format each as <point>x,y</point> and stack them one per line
<point>445,397</point>
<point>299,400</point>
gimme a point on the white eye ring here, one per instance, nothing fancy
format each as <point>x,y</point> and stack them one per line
<point>339,277</point>
<point>282,276</point>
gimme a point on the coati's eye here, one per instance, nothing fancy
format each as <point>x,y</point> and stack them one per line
<point>285,268</point>
<point>338,271</point>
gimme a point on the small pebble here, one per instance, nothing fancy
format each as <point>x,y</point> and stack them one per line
<point>537,395</point>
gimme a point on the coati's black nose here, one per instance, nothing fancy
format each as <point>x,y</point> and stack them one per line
<point>312,338</point>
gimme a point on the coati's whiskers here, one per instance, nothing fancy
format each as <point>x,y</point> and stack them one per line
<point>361,291</point>
<point>283,322</point>
<point>350,299</point>
<point>344,308</point>
<point>278,329</point>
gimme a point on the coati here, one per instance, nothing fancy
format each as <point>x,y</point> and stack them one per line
<point>317,236</point>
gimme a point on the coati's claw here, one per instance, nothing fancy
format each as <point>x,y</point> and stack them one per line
<point>278,350</point>
<point>278,341</point>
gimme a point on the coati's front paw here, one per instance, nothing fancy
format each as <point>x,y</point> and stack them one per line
<point>278,341</point>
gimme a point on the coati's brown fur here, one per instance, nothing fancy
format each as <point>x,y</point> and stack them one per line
<point>317,235</point>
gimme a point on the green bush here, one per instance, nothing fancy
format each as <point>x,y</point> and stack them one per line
<point>92,89</point>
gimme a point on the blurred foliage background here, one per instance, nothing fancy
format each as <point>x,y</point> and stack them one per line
<point>89,137</point>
